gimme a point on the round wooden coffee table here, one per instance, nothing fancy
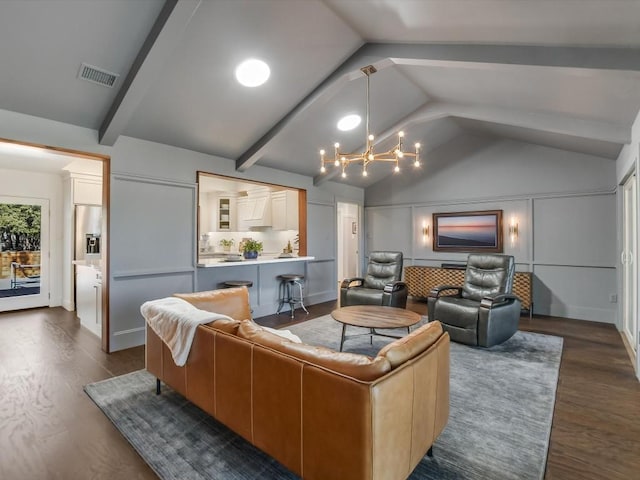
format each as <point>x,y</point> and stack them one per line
<point>374,317</point>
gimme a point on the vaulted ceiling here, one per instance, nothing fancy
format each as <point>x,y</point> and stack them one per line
<point>560,73</point>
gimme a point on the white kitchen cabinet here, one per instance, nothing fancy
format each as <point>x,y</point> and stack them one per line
<point>205,213</point>
<point>226,213</point>
<point>284,210</point>
<point>87,190</point>
<point>219,214</point>
<point>243,213</point>
<point>89,298</point>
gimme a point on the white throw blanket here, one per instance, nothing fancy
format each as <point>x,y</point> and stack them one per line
<point>175,321</point>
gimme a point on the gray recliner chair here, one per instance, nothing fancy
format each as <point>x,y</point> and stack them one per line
<point>483,311</point>
<point>380,286</point>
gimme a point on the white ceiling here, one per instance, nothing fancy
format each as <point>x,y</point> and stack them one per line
<point>560,73</point>
<point>20,157</point>
<point>590,23</point>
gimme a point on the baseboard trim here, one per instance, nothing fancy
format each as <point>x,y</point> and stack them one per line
<point>124,339</point>
<point>627,347</point>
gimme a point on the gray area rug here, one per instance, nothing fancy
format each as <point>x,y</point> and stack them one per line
<point>501,403</point>
<point>501,411</point>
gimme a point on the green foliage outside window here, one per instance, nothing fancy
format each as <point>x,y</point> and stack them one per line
<point>20,227</point>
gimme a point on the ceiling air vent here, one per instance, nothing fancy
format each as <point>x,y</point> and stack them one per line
<point>97,75</point>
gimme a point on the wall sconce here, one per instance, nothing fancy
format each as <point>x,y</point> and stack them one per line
<point>513,230</point>
<point>425,232</point>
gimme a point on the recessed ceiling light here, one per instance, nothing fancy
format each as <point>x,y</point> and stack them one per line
<point>252,72</point>
<point>349,122</point>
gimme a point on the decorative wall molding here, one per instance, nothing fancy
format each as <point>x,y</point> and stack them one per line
<point>121,275</point>
<point>509,198</point>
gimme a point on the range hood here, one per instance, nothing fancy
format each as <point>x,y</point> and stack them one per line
<point>254,210</point>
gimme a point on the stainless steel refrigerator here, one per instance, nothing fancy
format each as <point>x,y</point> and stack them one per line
<point>88,231</point>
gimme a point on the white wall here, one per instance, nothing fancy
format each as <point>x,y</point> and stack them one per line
<point>564,203</point>
<point>16,183</point>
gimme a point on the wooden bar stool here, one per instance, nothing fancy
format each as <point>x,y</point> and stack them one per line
<point>238,283</point>
<point>286,293</point>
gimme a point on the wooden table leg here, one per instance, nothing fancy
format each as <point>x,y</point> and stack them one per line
<point>344,328</point>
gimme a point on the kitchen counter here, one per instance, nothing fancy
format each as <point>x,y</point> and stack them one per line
<point>263,272</point>
<point>262,259</point>
<point>93,263</point>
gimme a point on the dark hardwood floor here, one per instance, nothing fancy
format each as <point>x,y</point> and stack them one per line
<point>50,429</point>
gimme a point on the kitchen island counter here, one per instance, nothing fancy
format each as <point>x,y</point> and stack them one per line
<point>218,262</point>
<point>263,272</point>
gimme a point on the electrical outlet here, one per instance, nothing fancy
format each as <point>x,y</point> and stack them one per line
<point>613,298</point>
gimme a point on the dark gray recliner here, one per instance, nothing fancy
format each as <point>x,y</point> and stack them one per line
<point>380,286</point>
<point>483,311</point>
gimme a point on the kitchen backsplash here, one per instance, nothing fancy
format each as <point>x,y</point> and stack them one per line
<point>272,241</point>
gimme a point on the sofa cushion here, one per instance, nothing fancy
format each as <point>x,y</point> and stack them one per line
<point>252,331</point>
<point>233,302</point>
<point>354,365</point>
<point>459,312</point>
<point>284,334</point>
<point>412,345</point>
<point>364,296</point>
<point>224,325</point>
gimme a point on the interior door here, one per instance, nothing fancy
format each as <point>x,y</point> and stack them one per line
<point>629,263</point>
<point>24,253</point>
<point>348,241</point>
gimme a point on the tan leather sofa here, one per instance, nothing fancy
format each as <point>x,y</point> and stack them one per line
<point>323,414</point>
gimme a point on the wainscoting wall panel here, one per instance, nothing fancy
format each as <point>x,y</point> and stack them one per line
<point>321,275</point>
<point>155,245</point>
<point>575,230</point>
<point>127,323</point>
<point>583,293</point>
<point>567,241</point>
<point>389,229</point>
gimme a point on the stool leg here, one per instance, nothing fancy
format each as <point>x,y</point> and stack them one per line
<point>280,297</point>
<point>301,297</point>
<point>292,300</point>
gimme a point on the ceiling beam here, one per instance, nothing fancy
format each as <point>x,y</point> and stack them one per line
<point>540,121</point>
<point>386,55</point>
<point>626,59</point>
<point>164,36</point>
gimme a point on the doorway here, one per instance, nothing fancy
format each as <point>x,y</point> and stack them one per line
<point>629,264</point>
<point>44,276</point>
<point>24,253</point>
<point>348,229</point>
